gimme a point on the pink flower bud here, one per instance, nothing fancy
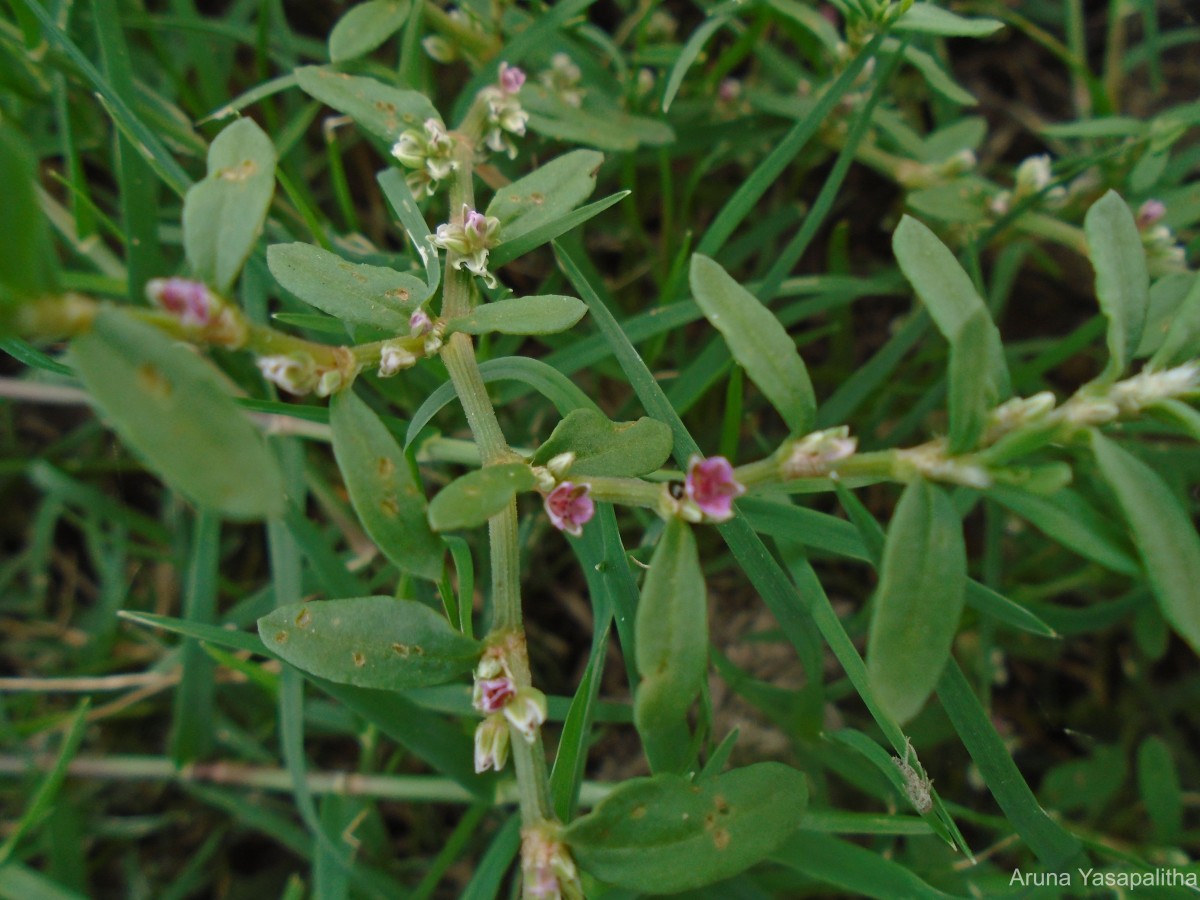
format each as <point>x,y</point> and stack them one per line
<point>189,301</point>
<point>569,507</point>
<point>1149,213</point>
<point>419,323</point>
<point>475,221</point>
<point>511,78</point>
<point>711,486</point>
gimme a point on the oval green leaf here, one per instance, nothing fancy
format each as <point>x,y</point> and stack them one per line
<point>371,642</point>
<point>175,410</point>
<point>922,586</point>
<point>955,306</point>
<point>665,834</point>
<point>971,392</point>
<point>1182,341</point>
<point>353,292</point>
<point>544,314</point>
<point>400,199</point>
<point>365,26</point>
<point>606,448</point>
<point>477,496</point>
<point>223,214</point>
<point>607,128</point>
<point>385,493</point>
<point>1122,282</point>
<point>546,193</point>
<point>925,18</point>
<point>1164,534</point>
<point>671,646</point>
<point>757,341</point>
<point>381,109</point>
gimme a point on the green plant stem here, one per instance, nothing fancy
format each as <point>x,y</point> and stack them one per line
<point>529,759</point>
<point>627,491</point>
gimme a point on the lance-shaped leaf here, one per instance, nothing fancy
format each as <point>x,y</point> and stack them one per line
<point>606,448</point>
<point>970,391</point>
<point>757,341</point>
<point>477,496</point>
<point>509,250</point>
<point>385,493</point>
<point>544,314</point>
<point>1182,341</point>
<point>401,200</point>
<point>1163,532</point>
<point>921,591</point>
<point>1122,283</point>
<point>372,642</point>
<point>978,373</point>
<point>381,109</point>
<point>665,834</point>
<point>546,193</point>
<point>608,128</point>
<point>354,292</point>
<point>223,214</point>
<point>671,641</point>
<point>28,264</point>
<point>365,26</point>
<point>926,18</point>
<point>175,410</point>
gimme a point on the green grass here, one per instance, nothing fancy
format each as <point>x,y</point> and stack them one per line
<point>150,745</point>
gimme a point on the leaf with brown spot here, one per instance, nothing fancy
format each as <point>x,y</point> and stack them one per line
<point>353,292</point>
<point>385,493</point>
<point>381,109</point>
<point>175,410</point>
<point>664,834</point>
<point>353,641</point>
<point>223,214</point>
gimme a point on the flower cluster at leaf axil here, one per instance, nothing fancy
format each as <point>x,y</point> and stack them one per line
<point>547,866</point>
<point>1164,254</point>
<point>503,703</point>
<point>471,238</point>
<point>503,110</point>
<point>429,152</point>
<point>195,306</point>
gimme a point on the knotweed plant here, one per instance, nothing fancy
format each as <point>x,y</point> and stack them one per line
<point>362,348</point>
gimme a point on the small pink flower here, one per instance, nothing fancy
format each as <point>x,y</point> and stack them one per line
<point>511,78</point>
<point>1149,213</point>
<point>189,301</point>
<point>493,694</point>
<point>570,507</point>
<point>476,222</point>
<point>711,486</point>
<point>729,90</point>
<point>419,323</point>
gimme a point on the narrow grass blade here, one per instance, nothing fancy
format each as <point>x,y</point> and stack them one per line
<point>141,136</point>
<point>851,868</point>
<point>1058,850</point>
<point>193,726</point>
<point>735,210</point>
<point>42,801</point>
